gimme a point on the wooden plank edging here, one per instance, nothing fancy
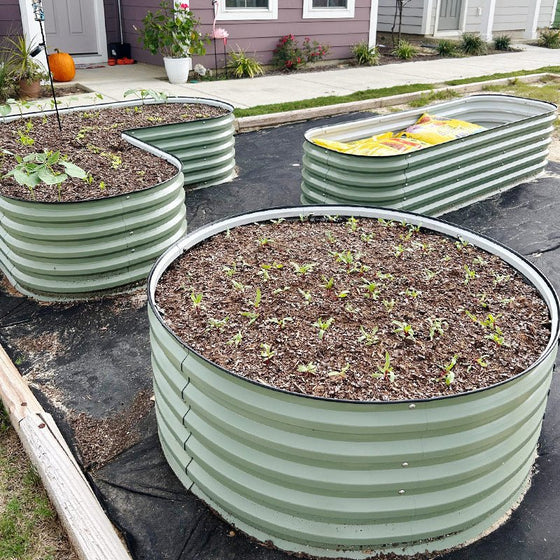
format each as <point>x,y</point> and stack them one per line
<point>88,527</point>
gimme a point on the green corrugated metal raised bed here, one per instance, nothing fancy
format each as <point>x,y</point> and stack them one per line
<point>343,478</point>
<point>74,249</point>
<point>438,178</point>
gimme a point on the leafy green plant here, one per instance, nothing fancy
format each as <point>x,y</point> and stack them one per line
<point>243,65</point>
<point>365,55</point>
<point>302,268</point>
<point>145,94</point>
<point>473,44</point>
<point>307,368</point>
<point>267,353</point>
<point>196,300</point>
<point>550,38</point>
<point>448,374</point>
<point>323,325</point>
<point>339,373</point>
<point>369,338</point>
<point>51,168</point>
<point>21,63</point>
<point>403,329</point>
<point>445,47</point>
<point>236,339</point>
<point>404,50</point>
<point>436,326</point>
<point>502,43</point>
<point>385,370</point>
<point>6,85</point>
<point>288,55</point>
<point>172,31</point>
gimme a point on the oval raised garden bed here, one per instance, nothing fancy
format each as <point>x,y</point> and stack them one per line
<point>73,249</point>
<point>433,180</point>
<point>332,476</point>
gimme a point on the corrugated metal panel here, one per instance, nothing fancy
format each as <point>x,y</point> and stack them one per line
<point>436,179</point>
<point>336,478</point>
<point>205,147</point>
<point>60,251</point>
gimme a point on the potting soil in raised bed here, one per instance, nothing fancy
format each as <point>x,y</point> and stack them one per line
<point>91,361</point>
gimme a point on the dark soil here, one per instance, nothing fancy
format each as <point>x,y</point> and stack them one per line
<point>405,314</point>
<point>92,140</point>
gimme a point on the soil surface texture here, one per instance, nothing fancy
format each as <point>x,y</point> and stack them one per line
<point>354,309</point>
<point>92,140</point>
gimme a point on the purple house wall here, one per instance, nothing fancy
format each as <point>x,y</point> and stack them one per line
<point>257,38</point>
<point>10,18</point>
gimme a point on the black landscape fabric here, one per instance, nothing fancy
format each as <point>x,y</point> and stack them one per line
<point>89,364</point>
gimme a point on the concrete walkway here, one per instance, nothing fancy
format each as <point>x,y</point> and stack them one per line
<point>113,81</point>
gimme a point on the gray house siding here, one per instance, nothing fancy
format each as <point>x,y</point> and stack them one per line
<point>413,14</point>
<point>258,38</point>
<point>547,13</point>
<point>10,18</point>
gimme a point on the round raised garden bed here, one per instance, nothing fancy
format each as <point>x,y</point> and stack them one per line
<point>74,248</point>
<point>337,477</point>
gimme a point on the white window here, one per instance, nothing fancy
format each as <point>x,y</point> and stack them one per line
<point>247,9</point>
<point>328,8</point>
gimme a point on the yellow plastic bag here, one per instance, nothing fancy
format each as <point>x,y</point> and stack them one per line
<point>436,130</point>
<point>381,145</point>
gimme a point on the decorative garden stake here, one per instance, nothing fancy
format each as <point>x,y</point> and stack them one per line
<point>39,16</point>
<point>219,33</point>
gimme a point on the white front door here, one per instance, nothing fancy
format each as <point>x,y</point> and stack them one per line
<point>70,26</point>
<point>73,26</point>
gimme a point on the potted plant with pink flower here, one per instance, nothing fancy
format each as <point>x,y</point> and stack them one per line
<point>172,32</point>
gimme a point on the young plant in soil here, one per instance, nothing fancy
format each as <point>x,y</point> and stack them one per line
<point>341,314</point>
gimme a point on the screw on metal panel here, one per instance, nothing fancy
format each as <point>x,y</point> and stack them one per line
<point>127,197</point>
<point>131,233</point>
<point>412,406</point>
<point>405,464</point>
<point>401,492</point>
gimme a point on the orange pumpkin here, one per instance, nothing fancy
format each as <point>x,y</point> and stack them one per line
<point>62,66</point>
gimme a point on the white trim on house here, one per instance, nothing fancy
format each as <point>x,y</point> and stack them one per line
<point>241,14</point>
<point>427,14</point>
<point>554,8</point>
<point>532,19</point>
<point>32,30</point>
<point>309,12</point>
<point>487,24</point>
<point>372,33</point>
<point>451,32</point>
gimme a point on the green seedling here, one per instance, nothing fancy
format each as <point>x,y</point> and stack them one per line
<point>411,292</point>
<point>367,237</point>
<point>238,286</point>
<point>482,362</point>
<point>352,223</point>
<point>328,283</point>
<point>343,294</point>
<point>385,371</point>
<point>145,93</point>
<point>251,315</point>
<point>196,300</point>
<point>497,336</point>
<point>429,274</point>
<point>403,329</point>
<point>339,373</point>
<point>323,325</point>
<point>305,295</point>
<point>257,301</point>
<point>372,292</point>
<point>469,274</point>
<point>389,304</point>
<point>461,244</point>
<point>278,221</point>
<point>399,250</point>
<point>230,271</point>
<point>436,326</point>
<point>281,322</point>
<point>330,236</point>
<point>236,339</point>
<point>264,241</point>
<point>479,261</point>
<point>369,338</point>
<point>280,290</point>
<point>307,368</point>
<point>384,276</point>
<point>448,374</point>
<point>23,133</point>
<point>501,279</point>
<point>386,223</point>
<point>219,324</point>
<point>267,353</point>
<point>302,268</point>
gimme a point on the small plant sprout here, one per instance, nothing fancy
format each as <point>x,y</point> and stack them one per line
<point>479,261</point>
<point>369,338</point>
<point>403,329</point>
<point>367,237</point>
<point>501,279</point>
<point>330,236</point>
<point>389,304</point>
<point>238,286</point>
<point>323,325</point>
<point>328,283</point>
<point>352,223</point>
<point>436,326</point>
<point>302,268</point>
<point>251,315</point>
<point>218,323</point>
<point>264,241</point>
<point>339,373</point>
<point>230,270</point>
<point>371,289</point>
<point>280,290</point>
<point>385,371</point>
<point>490,321</point>
<point>351,309</point>
<point>448,374</point>
<point>399,250</point>
<point>236,339</point>
<point>429,274</point>
<point>481,361</point>
<point>278,221</point>
<point>384,276</point>
<point>196,300</point>
<point>461,244</point>
<point>482,300</point>
<point>497,336</point>
<point>303,218</point>
<point>267,353</point>
<point>345,257</point>
<point>386,223</point>
<point>307,368</point>
<point>411,292</point>
<point>264,272</point>
<point>469,274</point>
<point>506,301</point>
<point>281,322</point>
<point>257,301</point>
<point>305,295</point>
<point>332,218</point>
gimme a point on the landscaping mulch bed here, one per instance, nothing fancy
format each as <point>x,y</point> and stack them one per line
<point>92,140</point>
<point>354,309</point>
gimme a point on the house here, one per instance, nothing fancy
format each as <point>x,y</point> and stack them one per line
<point>85,27</point>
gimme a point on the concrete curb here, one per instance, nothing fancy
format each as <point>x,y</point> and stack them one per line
<point>249,124</point>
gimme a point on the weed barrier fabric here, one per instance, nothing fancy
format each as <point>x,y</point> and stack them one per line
<point>91,361</point>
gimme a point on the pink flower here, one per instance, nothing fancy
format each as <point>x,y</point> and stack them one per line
<point>184,6</point>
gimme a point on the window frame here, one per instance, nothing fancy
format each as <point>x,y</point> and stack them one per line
<point>309,12</point>
<point>243,14</point>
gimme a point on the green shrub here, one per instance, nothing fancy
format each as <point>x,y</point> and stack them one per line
<point>243,65</point>
<point>502,43</point>
<point>550,38</point>
<point>365,55</point>
<point>404,50</point>
<point>445,47</point>
<point>472,44</point>
<point>288,55</point>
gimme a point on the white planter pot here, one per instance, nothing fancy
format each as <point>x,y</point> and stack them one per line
<point>178,69</point>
